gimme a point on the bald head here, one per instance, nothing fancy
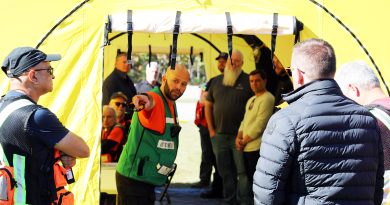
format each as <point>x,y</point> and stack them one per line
<point>180,72</point>
<point>174,82</point>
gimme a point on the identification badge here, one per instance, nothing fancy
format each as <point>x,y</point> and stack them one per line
<point>162,144</point>
<point>164,170</point>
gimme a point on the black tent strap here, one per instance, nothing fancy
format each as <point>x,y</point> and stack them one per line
<point>357,40</point>
<point>229,34</point>
<point>150,54</point>
<point>129,35</point>
<point>192,55</point>
<point>170,53</point>
<point>174,41</point>
<point>273,38</point>
<point>298,26</point>
<point>107,31</point>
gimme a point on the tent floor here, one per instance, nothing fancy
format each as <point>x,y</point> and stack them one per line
<point>179,194</point>
<point>183,194</point>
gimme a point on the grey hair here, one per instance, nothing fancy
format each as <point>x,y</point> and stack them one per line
<point>357,73</point>
<point>315,57</point>
<point>105,107</point>
<point>152,65</point>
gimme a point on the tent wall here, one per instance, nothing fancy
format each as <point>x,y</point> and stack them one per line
<point>76,98</point>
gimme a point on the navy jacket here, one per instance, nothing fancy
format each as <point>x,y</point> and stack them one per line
<point>321,149</point>
<point>118,81</point>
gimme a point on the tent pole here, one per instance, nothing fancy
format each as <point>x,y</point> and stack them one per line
<point>357,40</point>
<point>59,22</point>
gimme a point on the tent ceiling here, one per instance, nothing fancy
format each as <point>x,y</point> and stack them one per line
<point>193,22</point>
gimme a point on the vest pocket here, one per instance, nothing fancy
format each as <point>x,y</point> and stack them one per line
<point>146,170</point>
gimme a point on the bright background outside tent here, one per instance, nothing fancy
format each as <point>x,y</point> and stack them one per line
<point>77,95</point>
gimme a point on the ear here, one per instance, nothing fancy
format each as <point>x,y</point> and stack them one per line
<point>31,76</point>
<point>354,89</point>
<point>164,78</point>
<point>301,79</point>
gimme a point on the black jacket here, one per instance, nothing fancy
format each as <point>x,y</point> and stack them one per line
<point>118,81</point>
<point>321,149</point>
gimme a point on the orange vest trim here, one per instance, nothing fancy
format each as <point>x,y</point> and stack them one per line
<point>154,119</point>
<point>116,135</point>
<point>64,197</point>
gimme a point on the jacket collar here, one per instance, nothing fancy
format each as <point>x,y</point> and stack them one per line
<point>317,87</point>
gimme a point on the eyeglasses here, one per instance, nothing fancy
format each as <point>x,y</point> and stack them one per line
<point>48,70</point>
<point>119,104</point>
<point>290,70</point>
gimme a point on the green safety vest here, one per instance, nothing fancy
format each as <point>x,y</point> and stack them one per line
<point>154,160</point>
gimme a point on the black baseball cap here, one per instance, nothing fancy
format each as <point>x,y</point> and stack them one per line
<point>222,55</point>
<point>23,58</point>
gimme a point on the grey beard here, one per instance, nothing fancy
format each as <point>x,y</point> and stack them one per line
<point>230,77</point>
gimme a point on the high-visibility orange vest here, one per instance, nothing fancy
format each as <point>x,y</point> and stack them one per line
<point>64,197</point>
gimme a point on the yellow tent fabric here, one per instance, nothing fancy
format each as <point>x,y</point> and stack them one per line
<point>77,94</point>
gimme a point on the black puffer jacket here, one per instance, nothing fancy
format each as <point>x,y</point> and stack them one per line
<point>322,149</point>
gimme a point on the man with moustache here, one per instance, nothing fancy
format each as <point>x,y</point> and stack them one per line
<point>149,159</point>
<point>225,108</point>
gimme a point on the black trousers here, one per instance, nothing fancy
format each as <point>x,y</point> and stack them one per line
<point>208,161</point>
<point>250,161</point>
<point>133,192</point>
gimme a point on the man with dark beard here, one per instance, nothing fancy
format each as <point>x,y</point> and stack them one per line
<point>225,108</point>
<point>147,161</point>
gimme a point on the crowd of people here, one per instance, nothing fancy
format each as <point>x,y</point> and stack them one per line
<point>330,145</point>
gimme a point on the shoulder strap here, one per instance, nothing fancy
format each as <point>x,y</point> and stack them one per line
<point>10,108</point>
<point>381,113</point>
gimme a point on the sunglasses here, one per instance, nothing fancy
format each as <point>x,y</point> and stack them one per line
<point>49,70</point>
<point>119,104</point>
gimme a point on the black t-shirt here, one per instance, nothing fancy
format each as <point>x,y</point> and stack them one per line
<point>229,103</point>
<point>44,125</point>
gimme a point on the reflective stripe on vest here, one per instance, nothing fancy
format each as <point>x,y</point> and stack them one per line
<point>19,171</point>
<point>169,120</point>
<point>382,116</point>
<point>12,107</point>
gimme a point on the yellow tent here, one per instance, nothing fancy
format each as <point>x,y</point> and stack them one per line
<point>353,27</point>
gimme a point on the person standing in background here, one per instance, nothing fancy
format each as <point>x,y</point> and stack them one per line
<point>359,82</point>
<point>118,80</point>
<point>152,73</point>
<point>258,110</point>
<point>225,109</point>
<point>113,136</point>
<point>119,102</point>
